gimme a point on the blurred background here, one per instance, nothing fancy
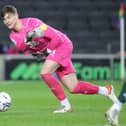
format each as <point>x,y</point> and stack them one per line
<point>92,25</point>
<point>94,28</point>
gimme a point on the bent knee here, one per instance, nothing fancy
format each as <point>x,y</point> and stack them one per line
<point>44,72</point>
<point>45,75</point>
<point>72,90</point>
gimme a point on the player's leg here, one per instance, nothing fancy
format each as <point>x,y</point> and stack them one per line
<point>112,113</point>
<point>71,82</point>
<point>122,96</point>
<point>75,86</point>
<point>48,68</point>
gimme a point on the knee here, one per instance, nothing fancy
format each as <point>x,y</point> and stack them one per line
<point>75,89</point>
<point>44,76</point>
<point>72,90</point>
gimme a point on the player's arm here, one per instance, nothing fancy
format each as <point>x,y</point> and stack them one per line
<point>18,42</point>
<point>36,27</point>
<point>45,31</point>
<point>54,36</point>
<point>36,32</point>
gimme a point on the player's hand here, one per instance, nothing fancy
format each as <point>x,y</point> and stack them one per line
<point>29,36</point>
<point>32,44</point>
<point>37,32</point>
<point>29,40</point>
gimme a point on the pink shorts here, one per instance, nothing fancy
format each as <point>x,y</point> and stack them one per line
<point>62,55</point>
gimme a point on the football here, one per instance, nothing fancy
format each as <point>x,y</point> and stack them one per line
<point>5,101</point>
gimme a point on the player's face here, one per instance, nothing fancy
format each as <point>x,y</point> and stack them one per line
<point>10,20</point>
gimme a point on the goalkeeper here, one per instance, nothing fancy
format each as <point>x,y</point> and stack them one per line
<point>41,39</point>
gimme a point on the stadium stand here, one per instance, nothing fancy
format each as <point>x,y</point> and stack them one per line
<point>91,24</point>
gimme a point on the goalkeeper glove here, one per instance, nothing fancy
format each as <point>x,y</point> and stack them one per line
<point>40,56</point>
<point>29,40</point>
<point>32,44</point>
<point>37,32</point>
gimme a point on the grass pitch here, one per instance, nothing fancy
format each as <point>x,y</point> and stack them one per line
<point>33,104</point>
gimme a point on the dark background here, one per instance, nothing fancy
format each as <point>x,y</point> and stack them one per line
<point>92,25</point>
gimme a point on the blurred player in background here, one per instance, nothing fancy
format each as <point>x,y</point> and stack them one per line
<point>43,40</point>
<point>113,112</point>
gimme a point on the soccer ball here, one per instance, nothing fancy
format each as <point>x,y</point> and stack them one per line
<point>5,101</point>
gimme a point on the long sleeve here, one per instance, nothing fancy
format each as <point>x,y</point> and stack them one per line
<point>18,41</point>
<point>54,36</point>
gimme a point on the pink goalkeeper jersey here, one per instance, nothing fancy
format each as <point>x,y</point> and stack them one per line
<point>51,40</point>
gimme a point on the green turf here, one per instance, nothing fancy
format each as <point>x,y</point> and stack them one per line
<point>33,105</point>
